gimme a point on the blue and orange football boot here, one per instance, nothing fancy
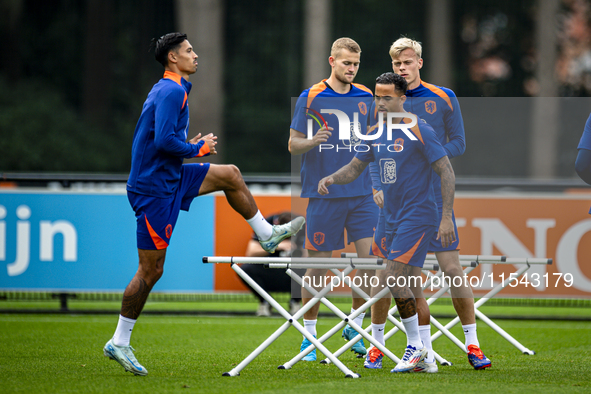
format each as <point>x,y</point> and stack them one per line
<point>373,360</point>
<point>476,358</point>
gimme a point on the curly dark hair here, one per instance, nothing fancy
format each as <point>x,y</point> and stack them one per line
<point>391,78</point>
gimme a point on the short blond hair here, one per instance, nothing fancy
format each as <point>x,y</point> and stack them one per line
<point>405,43</point>
<point>344,43</point>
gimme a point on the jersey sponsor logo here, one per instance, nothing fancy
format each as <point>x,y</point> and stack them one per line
<point>168,231</point>
<point>318,238</point>
<point>398,145</point>
<point>430,107</point>
<point>362,108</point>
<point>388,170</point>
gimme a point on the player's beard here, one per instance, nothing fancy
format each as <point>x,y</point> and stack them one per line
<point>344,80</point>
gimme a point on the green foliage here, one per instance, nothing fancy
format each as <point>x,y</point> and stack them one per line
<point>263,45</point>
<point>47,112</point>
<point>48,120</point>
<point>42,132</point>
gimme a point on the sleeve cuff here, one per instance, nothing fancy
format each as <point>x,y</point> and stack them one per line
<point>203,151</point>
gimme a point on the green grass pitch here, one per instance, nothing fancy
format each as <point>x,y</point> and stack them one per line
<point>63,354</point>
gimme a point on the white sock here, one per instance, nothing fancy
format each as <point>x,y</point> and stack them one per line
<point>260,226</point>
<point>377,331</point>
<point>310,326</point>
<point>359,319</point>
<point>123,331</point>
<point>411,325</point>
<point>425,333</point>
<point>470,334</point>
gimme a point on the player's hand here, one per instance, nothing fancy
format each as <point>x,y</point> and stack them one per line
<point>378,198</point>
<point>210,140</point>
<point>324,184</point>
<point>322,135</point>
<point>446,232</point>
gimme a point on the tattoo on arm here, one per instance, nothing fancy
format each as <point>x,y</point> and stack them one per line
<point>444,169</point>
<point>350,172</point>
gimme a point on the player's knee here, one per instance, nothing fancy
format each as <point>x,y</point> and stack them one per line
<point>417,291</point>
<point>153,275</point>
<point>400,292</point>
<point>233,177</point>
<point>454,272</point>
<point>151,270</point>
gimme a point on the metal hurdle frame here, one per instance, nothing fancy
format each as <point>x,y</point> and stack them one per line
<point>347,264</point>
<point>362,333</point>
<point>474,260</point>
<point>527,262</point>
<point>399,326</point>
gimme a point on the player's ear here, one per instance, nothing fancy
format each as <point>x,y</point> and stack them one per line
<point>331,61</point>
<point>402,99</point>
<point>172,57</point>
<point>420,63</point>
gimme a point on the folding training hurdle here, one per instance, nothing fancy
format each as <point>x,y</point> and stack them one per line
<point>346,264</point>
<point>427,267</point>
<point>348,345</point>
<point>471,262</point>
<point>526,265</point>
<point>349,262</point>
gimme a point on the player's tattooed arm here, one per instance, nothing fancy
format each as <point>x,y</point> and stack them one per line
<point>350,172</point>
<point>346,174</point>
<point>446,230</point>
<point>445,171</point>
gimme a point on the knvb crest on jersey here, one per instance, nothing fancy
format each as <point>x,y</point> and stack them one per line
<point>388,170</point>
<point>430,107</point>
<point>362,108</point>
<point>353,139</point>
<point>318,238</point>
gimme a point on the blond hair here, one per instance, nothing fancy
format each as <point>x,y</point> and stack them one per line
<point>344,43</point>
<point>405,43</point>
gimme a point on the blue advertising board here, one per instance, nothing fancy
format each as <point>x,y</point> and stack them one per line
<point>78,241</point>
